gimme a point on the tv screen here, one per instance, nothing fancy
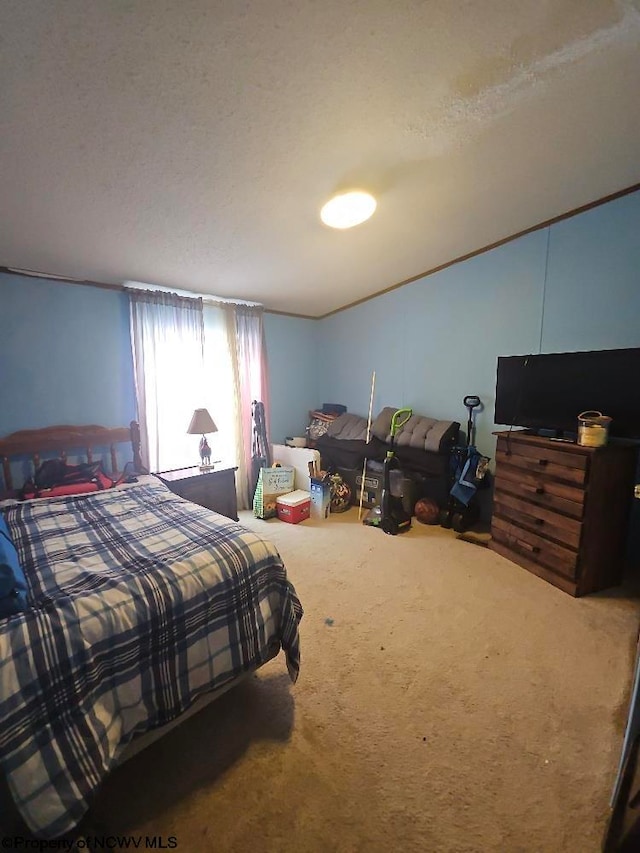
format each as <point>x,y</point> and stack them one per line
<point>549,391</point>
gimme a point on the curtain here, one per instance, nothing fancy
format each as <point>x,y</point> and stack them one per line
<point>249,359</point>
<point>167,338</point>
<point>187,355</point>
<point>219,387</point>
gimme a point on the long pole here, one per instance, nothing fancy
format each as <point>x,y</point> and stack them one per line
<point>364,465</point>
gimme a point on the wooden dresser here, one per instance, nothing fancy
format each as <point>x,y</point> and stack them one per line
<point>561,510</point>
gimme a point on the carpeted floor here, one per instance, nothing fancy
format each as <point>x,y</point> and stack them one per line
<point>448,701</point>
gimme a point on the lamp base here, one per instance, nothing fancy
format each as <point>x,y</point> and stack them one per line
<point>206,467</point>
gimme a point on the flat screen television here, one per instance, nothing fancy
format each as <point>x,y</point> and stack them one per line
<point>548,391</point>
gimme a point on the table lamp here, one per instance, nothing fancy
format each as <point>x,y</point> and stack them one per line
<point>201,424</point>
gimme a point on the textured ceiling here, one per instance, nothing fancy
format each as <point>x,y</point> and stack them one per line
<point>192,143</point>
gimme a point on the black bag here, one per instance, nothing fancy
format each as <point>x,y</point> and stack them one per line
<point>56,472</point>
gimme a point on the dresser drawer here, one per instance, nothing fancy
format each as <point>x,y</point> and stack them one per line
<point>538,519</point>
<point>554,464</point>
<point>541,490</point>
<point>535,548</point>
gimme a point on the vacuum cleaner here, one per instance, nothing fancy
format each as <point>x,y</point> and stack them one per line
<point>391,515</point>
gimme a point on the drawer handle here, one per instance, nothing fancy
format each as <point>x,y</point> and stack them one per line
<point>543,461</point>
<point>540,490</point>
<point>539,521</point>
<point>533,549</point>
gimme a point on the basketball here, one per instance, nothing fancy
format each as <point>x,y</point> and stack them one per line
<point>427,511</point>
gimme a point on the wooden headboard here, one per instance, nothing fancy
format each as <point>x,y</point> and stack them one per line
<point>65,439</point>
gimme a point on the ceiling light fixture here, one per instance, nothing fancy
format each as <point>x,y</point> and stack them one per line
<point>348,209</point>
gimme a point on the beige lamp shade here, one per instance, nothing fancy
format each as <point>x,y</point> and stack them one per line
<point>201,423</point>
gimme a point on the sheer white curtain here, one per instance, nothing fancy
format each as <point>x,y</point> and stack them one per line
<point>187,355</point>
<point>167,338</point>
<point>250,372</point>
<point>219,386</point>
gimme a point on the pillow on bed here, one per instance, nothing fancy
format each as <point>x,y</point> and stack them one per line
<point>54,479</point>
<point>13,586</point>
<point>62,491</point>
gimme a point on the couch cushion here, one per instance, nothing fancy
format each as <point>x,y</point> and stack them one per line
<point>419,432</point>
<point>348,427</point>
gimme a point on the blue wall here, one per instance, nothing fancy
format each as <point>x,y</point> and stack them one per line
<point>574,285</point>
<point>593,286</point>
<point>65,355</point>
<point>292,355</point>
<point>435,340</point>
<point>65,349</point>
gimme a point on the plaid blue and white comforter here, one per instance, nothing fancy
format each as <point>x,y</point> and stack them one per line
<point>141,602</point>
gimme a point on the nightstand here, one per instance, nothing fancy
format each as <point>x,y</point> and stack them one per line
<point>215,489</point>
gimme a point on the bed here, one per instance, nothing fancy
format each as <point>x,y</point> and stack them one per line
<point>139,605</point>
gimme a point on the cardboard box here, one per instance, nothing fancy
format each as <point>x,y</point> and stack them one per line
<point>297,458</point>
<point>320,498</point>
<point>294,507</point>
